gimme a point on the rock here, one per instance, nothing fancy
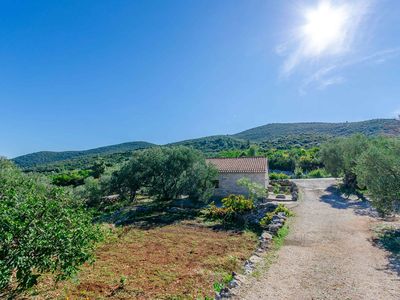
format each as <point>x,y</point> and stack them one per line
<point>276,219</point>
<point>174,210</point>
<point>281,215</point>
<point>225,293</point>
<point>273,228</point>
<point>266,236</point>
<point>255,259</point>
<point>248,267</point>
<point>233,283</point>
<point>265,240</point>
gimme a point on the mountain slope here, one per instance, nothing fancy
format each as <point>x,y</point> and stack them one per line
<point>278,135</point>
<point>212,144</point>
<point>273,131</point>
<point>47,157</point>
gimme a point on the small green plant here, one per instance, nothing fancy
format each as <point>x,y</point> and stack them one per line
<point>298,172</point>
<point>122,282</point>
<point>268,216</point>
<point>318,173</point>
<point>280,236</point>
<point>227,278</point>
<point>218,287</point>
<point>277,189</point>
<point>255,190</point>
<point>278,176</point>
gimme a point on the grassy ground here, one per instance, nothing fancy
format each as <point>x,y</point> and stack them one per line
<point>159,255</point>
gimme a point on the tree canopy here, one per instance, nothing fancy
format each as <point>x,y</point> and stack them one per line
<point>367,163</point>
<point>42,229</point>
<point>166,173</point>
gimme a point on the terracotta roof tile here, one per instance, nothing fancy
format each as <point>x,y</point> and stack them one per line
<point>240,165</point>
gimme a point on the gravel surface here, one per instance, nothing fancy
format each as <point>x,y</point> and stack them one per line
<point>328,253</point>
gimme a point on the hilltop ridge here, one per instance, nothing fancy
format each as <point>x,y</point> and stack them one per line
<point>274,135</point>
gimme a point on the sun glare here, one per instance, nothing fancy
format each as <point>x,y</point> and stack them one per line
<point>325,28</point>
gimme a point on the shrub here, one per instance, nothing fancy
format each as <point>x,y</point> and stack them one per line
<point>74,178</point>
<point>255,190</point>
<point>277,189</point>
<point>278,176</point>
<point>238,203</point>
<point>43,229</point>
<point>318,173</point>
<point>233,207</point>
<point>298,172</point>
<point>389,238</point>
<point>268,216</point>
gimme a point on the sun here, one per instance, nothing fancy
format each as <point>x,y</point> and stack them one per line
<point>325,28</point>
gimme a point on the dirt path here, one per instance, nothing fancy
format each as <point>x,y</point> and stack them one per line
<point>328,253</point>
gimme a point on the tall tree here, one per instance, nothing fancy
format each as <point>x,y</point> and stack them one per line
<point>378,169</point>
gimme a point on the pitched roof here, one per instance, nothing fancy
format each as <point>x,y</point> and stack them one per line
<point>240,165</point>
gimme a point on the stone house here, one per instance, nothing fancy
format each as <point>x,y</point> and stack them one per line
<point>232,169</point>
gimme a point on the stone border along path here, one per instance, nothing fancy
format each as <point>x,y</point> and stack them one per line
<point>328,253</point>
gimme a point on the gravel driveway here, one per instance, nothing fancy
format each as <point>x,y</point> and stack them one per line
<point>328,253</point>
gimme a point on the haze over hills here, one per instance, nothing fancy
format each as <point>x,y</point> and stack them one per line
<point>278,135</point>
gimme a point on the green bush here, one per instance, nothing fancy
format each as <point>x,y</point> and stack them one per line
<point>255,190</point>
<point>298,172</point>
<point>268,216</point>
<point>43,229</point>
<point>318,173</point>
<point>389,238</point>
<point>74,178</point>
<point>278,176</point>
<point>233,206</point>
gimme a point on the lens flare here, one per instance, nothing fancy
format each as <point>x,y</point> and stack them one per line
<point>325,28</point>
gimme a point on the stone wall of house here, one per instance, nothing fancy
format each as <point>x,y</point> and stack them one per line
<point>227,183</point>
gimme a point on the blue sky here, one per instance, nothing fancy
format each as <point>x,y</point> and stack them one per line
<point>82,74</point>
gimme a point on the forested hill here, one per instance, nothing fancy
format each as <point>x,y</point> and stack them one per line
<point>278,130</point>
<point>280,135</point>
<point>47,157</point>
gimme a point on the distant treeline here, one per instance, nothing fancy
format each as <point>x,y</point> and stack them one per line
<point>271,136</point>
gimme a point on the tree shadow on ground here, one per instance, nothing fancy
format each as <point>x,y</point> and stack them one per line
<point>151,214</point>
<point>155,214</point>
<point>363,208</point>
<point>389,240</point>
<point>335,199</point>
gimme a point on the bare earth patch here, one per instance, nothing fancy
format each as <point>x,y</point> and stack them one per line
<point>328,254</point>
<point>171,262</point>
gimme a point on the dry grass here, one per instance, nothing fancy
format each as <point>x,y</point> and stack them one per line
<point>178,261</point>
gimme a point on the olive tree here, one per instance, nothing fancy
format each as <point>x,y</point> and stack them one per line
<point>340,158</point>
<point>43,229</point>
<point>378,169</point>
<point>166,173</point>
